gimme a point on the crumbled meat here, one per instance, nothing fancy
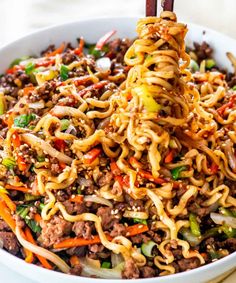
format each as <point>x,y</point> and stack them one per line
<point>108,219</point>
<point>76,270</point>
<point>9,242</point>
<point>131,270</point>
<point>83,229</point>
<point>147,271</point>
<point>139,239</point>
<point>54,230</point>
<point>229,244</point>
<point>4,226</point>
<point>68,58</point>
<point>188,263</point>
<point>75,207</point>
<point>134,203</point>
<point>203,50</point>
<point>105,179</point>
<point>118,230</point>
<point>55,168</point>
<point>154,236</point>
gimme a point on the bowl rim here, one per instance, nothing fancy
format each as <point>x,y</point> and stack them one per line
<point>14,259</point>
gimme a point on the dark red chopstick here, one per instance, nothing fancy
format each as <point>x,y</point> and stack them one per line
<point>151,8</point>
<point>167,5</point>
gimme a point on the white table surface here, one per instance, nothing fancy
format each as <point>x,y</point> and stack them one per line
<point>19,17</point>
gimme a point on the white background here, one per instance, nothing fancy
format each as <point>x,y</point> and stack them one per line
<point>19,17</point>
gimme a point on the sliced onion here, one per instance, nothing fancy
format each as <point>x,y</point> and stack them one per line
<point>116,259</point>
<point>42,252</point>
<point>85,182</point>
<point>223,219</point>
<point>135,214</point>
<point>37,105</point>
<point>104,123</point>
<point>105,273</point>
<point>188,236</point>
<point>103,64</point>
<point>1,243</point>
<point>71,130</point>
<point>99,200</point>
<point>46,147</point>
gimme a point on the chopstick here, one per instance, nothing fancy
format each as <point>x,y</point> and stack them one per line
<point>151,7</point>
<point>167,5</point>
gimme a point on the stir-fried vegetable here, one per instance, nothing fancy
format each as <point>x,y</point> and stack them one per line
<point>77,242</point>
<point>223,219</point>
<point>193,65</point>
<point>106,264</point>
<point>65,123</point>
<point>90,156</point>
<point>9,162</point>
<point>176,172</point>
<point>138,220</point>
<point>6,215</point>
<point>22,211</point>
<point>18,60</point>
<point>210,63</point>
<point>147,248</point>
<point>148,101</point>
<point>23,120</point>
<point>29,68</point>
<point>194,225</point>
<point>64,72</point>
<point>2,104</point>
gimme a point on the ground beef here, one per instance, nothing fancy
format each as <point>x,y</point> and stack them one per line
<point>54,230</point>
<point>139,239</point>
<point>147,271</point>
<point>77,208</point>
<point>4,226</point>
<point>68,58</point>
<point>118,230</point>
<point>76,270</point>
<point>229,244</point>
<point>188,263</point>
<point>9,242</point>
<point>134,203</point>
<point>105,179</point>
<point>203,51</point>
<point>55,168</point>
<point>83,229</point>
<point>155,236</point>
<point>195,207</point>
<point>131,270</point>
<point>108,219</point>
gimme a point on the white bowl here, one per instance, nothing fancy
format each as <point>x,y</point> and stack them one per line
<point>91,30</point>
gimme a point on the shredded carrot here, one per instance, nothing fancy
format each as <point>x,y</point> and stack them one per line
<point>230,104</point>
<point>21,163</point>
<point>77,242</point>
<point>29,256</point>
<point>115,170</point>
<point>5,213</point>
<point>16,140</point>
<point>16,188</point>
<point>45,63</point>
<point>8,201</point>
<point>27,90</point>
<point>59,50</point>
<point>147,175</point>
<point>37,217</point>
<point>74,260</point>
<point>77,198</point>
<point>214,168</point>
<point>79,49</point>
<point>135,163</point>
<point>90,156</point>
<point>30,238</point>
<point>170,156</point>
